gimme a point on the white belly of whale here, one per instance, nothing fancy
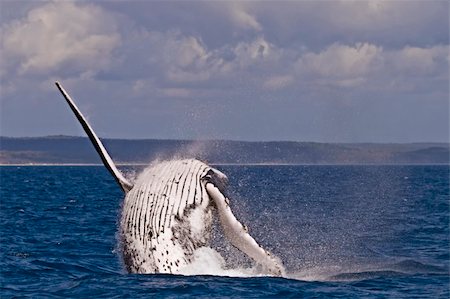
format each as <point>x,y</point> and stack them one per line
<point>166,217</point>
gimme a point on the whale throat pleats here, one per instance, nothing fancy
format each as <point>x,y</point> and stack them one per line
<point>166,217</point>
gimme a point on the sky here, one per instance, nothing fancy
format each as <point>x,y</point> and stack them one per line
<point>322,71</point>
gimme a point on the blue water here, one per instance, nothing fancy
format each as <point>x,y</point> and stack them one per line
<point>341,231</point>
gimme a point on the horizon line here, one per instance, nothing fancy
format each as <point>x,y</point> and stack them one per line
<point>231,140</point>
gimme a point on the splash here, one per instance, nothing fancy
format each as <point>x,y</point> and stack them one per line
<point>207,261</point>
<point>357,271</point>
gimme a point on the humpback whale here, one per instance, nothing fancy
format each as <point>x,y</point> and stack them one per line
<point>168,211</point>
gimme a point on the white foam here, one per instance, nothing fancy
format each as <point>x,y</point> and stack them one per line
<point>208,261</point>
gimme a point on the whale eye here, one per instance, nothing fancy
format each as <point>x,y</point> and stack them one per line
<point>217,178</point>
<point>220,175</point>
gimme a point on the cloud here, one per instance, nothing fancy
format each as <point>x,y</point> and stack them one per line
<point>229,59</point>
<point>314,24</point>
<point>186,59</point>
<point>184,62</point>
<point>417,61</point>
<point>242,18</point>
<point>248,53</point>
<point>341,61</point>
<point>60,35</point>
<point>167,57</point>
<point>176,59</point>
<point>366,65</point>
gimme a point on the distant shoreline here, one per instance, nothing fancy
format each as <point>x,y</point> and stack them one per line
<point>68,137</point>
<point>78,151</point>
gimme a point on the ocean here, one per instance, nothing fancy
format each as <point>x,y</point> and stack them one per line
<point>341,231</point>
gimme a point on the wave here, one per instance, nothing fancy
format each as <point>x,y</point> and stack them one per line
<point>359,272</point>
<point>210,262</point>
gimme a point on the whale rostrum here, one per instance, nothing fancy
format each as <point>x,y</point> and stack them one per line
<point>168,212</point>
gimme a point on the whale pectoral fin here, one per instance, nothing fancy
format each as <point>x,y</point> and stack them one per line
<point>106,159</point>
<point>238,234</point>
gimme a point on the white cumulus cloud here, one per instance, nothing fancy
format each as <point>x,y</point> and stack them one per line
<point>420,61</point>
<point>57,35</point>
<point>341,61</point>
